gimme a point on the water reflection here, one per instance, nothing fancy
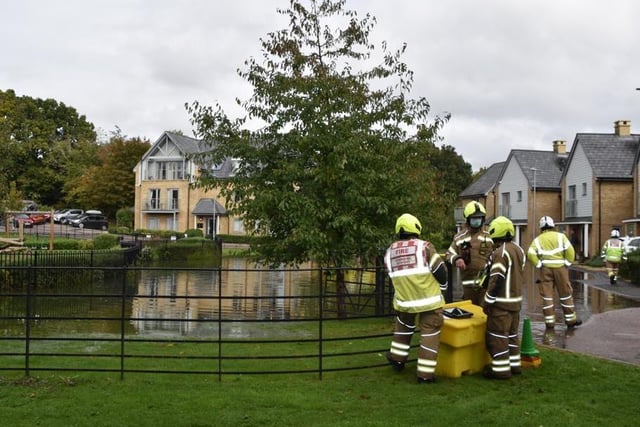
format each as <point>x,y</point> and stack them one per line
<point>176,302</point>
<point>191,302</point>
<point>588,298</point>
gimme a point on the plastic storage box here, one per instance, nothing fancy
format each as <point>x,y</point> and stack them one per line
<point>462,346</point>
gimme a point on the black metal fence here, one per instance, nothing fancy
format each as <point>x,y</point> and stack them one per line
<point>65,316</point>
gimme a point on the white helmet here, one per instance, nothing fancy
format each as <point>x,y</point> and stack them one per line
<point>546,222</point>
<point>615,233</point>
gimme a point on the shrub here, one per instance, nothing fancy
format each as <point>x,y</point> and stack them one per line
<point>66,244</point>
<point>85,244</point>
<point>194,232</point>
<point>232,238</point>
<point>125,217</point>
<point>106,241</point>
<point>120,230</point>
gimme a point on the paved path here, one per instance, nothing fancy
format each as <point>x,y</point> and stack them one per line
<point>613,334</point>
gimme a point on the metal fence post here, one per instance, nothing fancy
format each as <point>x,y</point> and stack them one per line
<point>219,323</point>
<point>123,304</point>
<point>320,318</point>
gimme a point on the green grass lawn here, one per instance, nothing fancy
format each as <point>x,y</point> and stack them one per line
<point>566,390</point>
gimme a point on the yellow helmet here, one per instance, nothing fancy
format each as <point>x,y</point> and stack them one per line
<point>474,209</point>
<point>501,228</point>
<point>408,224</point>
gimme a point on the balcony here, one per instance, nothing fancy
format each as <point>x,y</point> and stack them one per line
<point>505,210</point>
<point>159,205</point>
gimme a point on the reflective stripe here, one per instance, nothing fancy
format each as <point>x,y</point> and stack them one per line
<point>419,302</point>
<point>517,299</point>
<point>409,272</point>
<point>426,366</point>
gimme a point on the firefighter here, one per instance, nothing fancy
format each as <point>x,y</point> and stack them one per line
<point>469,251</point>
<point>552,253</point>
<point>503,300</point>
<point>419,276</point>
<point>613,254</point>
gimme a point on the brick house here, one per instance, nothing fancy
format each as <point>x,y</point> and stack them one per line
<point>587,192</point>
<point>598,186</point>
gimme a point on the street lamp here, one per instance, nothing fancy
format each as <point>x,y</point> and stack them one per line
<point>533,229</point>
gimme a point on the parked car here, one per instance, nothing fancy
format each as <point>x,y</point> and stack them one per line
<point>59,213</point>
<point>22,218</point>
<point>93,221</point>
<point>39,218</point>
<point>631,244</point>
<point>70,214</point>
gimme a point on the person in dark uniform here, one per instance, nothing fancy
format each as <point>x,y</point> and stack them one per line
<point>503,300</point>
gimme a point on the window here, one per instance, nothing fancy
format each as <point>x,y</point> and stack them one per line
<point>238,227</point>
<point>505,206</point>
<point>572,192</point>
<point>153,223</point>
<point>172,197</point>
<point>154,198</point>
<point>170,170</point>
<point>519,196</point>
<point>584,189</point>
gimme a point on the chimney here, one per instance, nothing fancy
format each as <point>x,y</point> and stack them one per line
<point>560,146</point>
<point>622,127</point>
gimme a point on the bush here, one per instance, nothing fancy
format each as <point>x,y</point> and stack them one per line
<point>125,217</point>
<point>120,230</point>
<point>58,243</point>
<point>106,241</point>
<point>232,238</point>
<point>194,232</point>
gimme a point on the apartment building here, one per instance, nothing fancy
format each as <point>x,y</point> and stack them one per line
<point>166,197</point>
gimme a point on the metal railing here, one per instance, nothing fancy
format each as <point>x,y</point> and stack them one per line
<point>51,322</point>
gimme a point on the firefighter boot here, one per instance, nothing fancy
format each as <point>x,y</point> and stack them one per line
<point>397,366</point>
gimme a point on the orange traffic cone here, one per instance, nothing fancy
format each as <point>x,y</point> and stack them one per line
<point>529,354</point>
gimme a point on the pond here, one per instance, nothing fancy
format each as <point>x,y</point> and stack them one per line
<point>189,303</point>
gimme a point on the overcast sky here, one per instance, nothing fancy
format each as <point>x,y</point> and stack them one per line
<point>513,74</point>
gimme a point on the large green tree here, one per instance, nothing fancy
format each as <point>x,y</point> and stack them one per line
<point>109,184</point>
<point>38,139</point>
<point>341,150</point>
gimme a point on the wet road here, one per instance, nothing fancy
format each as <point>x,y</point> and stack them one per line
<point>611,316</point>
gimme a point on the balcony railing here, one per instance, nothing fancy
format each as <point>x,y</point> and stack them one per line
<point>161,205</point>
<point>505,210</point>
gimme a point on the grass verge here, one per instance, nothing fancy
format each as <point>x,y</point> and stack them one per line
<point>568,389</point>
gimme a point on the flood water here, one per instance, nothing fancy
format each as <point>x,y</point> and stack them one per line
<point>589,299</point>
<point>174,302</point>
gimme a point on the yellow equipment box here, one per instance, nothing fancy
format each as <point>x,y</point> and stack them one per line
<point>462,341</point>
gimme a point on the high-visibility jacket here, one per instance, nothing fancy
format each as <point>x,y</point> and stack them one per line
<point>551,249</point>
<point>613,250</point>
<point>410,264</point>
<point>506,277</point>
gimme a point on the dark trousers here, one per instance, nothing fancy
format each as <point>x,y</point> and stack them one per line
<point>429,323</point>
<point>502,341</point>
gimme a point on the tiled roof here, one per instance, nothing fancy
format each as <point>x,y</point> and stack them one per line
<point>208,207</point>
<point>187,145</point>
<point>548,166</point>
<point>610,156</point>
<point>485,183</point>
